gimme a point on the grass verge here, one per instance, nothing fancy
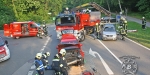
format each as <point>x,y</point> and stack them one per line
<point>141,36</point>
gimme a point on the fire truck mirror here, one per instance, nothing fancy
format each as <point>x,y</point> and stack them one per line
<point>6,42</point>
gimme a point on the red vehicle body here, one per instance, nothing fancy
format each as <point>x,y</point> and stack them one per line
<point>20,29</point>
<point>80,23</point>
<point>74,52</point>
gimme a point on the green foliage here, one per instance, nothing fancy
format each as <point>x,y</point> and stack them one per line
<point>25,10</point>
<point>6,14</point>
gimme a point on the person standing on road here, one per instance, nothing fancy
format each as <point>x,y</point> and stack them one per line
<point>45,30</point>
<point>45,60</point>
<point>39,64</point>
<point>125,25</point>
<point>143,23</point>
<point>56,65</point>
<point>63,62</point>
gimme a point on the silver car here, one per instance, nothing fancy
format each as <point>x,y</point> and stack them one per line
<point>109,32</point>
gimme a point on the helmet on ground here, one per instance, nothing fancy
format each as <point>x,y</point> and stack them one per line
<point>67,8</point>
<point>125,21</point>
<point>62,51</point>
<point>87,73</point>
<point>39,55</point>
<point>48,53</point>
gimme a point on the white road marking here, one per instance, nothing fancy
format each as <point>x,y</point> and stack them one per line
<point>109,71</point>
<point>30,72</point>
<point>111,52</point>
<point>138,44</point>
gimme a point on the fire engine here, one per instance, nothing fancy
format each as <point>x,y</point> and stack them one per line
<point>79,24</point>
<point>20,29</point>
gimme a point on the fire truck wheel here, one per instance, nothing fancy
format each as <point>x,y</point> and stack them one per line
<point>82,38</point>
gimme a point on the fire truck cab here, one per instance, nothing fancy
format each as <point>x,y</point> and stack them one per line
<point>20,29</point>
<point>70,23</point>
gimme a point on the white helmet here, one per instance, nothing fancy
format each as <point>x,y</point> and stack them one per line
<point>48,53</point>
<point>39,55</point>
<point>44,25</point>
<point>66,8</point>
<point>62,51</point>
<point>143,17</point>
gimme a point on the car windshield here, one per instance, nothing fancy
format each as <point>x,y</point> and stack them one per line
<point>109,29</point>
<point>64,20</point>
<point>1,42</point>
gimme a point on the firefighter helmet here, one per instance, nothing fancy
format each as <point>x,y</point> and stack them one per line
<point>62,51</point>
<point>125,21</point>
<point>38,55</point>
<point>67,8</point>
<point>143,17</point>
<point>44,25</point>
<point>48,53</point>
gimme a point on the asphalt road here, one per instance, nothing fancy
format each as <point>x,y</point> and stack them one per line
<point>107,54</point>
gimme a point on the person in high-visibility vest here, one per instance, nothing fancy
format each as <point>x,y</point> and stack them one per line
<point>39,64</point>
<point>122,32</point>
<point>97,30</point>
<point>125,25</point>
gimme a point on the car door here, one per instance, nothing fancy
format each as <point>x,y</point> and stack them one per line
<point>6,29</point>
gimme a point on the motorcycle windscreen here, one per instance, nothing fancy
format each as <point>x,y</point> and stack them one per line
<point>6,30</point>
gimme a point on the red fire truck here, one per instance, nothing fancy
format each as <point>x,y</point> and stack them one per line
<point>79,24</point>
<point>20,29</point>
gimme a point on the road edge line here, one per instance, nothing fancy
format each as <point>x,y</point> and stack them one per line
<point>138,44</point>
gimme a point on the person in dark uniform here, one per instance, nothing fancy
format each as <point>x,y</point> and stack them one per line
<point>39,64</point>
<point>143,23</point>
<point>45,61</point>
<point>63,62</point>
<point>56,65</point>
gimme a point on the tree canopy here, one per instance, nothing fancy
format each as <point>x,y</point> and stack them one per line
<point>37,10</point>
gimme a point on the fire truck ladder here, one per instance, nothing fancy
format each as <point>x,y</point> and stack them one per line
<point>96,6</point>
